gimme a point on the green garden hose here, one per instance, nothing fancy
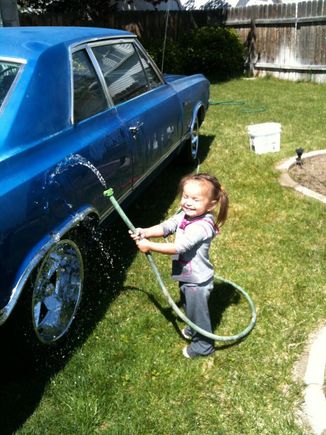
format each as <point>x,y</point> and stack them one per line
<point>242,334</point>
<point>238,103</point>
<point>227,103</point>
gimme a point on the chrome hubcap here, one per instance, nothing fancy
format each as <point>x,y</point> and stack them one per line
<point>194,140</point>
<point>57,291</point>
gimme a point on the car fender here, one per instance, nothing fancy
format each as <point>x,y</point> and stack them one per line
<point>193,93</point>
<point>199,111</point>
<point>38,252</point>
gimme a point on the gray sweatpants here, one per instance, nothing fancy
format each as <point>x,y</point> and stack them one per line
<point>195,301</point>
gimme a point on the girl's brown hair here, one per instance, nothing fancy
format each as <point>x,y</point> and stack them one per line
<point>217,192</point>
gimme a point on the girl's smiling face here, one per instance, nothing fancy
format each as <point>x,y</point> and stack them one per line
<point>196,198</point>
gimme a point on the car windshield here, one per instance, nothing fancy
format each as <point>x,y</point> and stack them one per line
<point>8,72</point>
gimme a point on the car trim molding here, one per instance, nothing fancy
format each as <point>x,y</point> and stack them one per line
<point>100,40</point>
<point>13,59</point>
<point>100,75</point>
<point>41,249</point>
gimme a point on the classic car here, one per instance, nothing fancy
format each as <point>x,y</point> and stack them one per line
<point>81,110</point>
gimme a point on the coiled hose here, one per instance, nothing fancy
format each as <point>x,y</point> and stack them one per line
<point>236,337</point>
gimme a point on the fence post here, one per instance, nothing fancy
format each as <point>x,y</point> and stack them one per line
<point>251,51</point>
<point>9,13</point>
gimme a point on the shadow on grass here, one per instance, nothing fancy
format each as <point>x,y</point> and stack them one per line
<point>166,310</point>
<point>223,295</point>
<point>26,370</point>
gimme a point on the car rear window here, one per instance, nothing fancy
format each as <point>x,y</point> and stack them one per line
<point>122,70</point>
<point>8,72</point>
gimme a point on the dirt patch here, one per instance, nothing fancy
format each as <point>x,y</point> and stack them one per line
<point>311,174</point>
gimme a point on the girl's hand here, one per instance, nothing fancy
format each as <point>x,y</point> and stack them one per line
<point>143,245</point>
<point>138,235</point>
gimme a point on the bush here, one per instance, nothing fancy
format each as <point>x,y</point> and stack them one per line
<point>173,61</point>
<point>216,52</point>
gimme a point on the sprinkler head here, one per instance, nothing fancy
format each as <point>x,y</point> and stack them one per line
<point>299,152</point>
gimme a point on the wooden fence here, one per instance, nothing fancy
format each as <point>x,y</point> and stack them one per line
<point>290,38</point>
<point>286,40</point>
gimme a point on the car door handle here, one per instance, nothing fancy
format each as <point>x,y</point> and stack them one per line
<point>134,129</point>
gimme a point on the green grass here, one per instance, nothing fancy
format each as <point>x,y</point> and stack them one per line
<point>127,375</point>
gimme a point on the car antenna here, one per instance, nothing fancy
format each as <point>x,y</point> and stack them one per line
<point>165,34</point>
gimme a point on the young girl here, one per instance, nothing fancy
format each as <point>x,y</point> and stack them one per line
<point>194,229</point>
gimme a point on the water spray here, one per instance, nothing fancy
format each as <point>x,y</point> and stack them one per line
<point>236,337</point>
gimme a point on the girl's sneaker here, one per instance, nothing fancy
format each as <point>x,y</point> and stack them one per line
<point>185,353</point>
<point>186,334</point>
<point>188,353</point>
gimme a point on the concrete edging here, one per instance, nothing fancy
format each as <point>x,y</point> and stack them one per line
<point>314,378</point>
<point>287,181</point>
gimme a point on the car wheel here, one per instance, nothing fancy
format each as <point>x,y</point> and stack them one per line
<point>191,147</point>
<point>47,322</point>
<point>57,291</point>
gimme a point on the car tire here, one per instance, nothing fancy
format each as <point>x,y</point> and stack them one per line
<point>191,147</point>
<point>57,291</point>
<point>46,324</point>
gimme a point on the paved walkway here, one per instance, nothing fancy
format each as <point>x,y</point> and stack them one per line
<point>314,375</point>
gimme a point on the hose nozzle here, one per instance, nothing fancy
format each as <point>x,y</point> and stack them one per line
<point>108,192</point>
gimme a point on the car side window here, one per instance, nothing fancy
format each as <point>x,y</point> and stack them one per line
<point>8,72</point>
<point>153,79</point>
<point>89,97</point>
<point>122,70</point>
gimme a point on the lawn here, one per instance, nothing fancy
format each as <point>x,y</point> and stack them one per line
<point>126,373</point>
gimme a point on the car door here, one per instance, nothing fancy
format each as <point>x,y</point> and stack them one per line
<point>147,107</point>
<point>102,145</point>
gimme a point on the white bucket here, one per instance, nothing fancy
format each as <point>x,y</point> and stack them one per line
<point>265,138</point>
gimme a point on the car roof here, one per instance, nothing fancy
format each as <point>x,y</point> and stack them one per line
<point>44,51</point>
<point>31,42</point>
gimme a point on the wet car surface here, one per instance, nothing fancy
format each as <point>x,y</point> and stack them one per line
<point>81,110</point>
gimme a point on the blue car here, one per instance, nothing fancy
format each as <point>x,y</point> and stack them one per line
<point>81,110</point>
